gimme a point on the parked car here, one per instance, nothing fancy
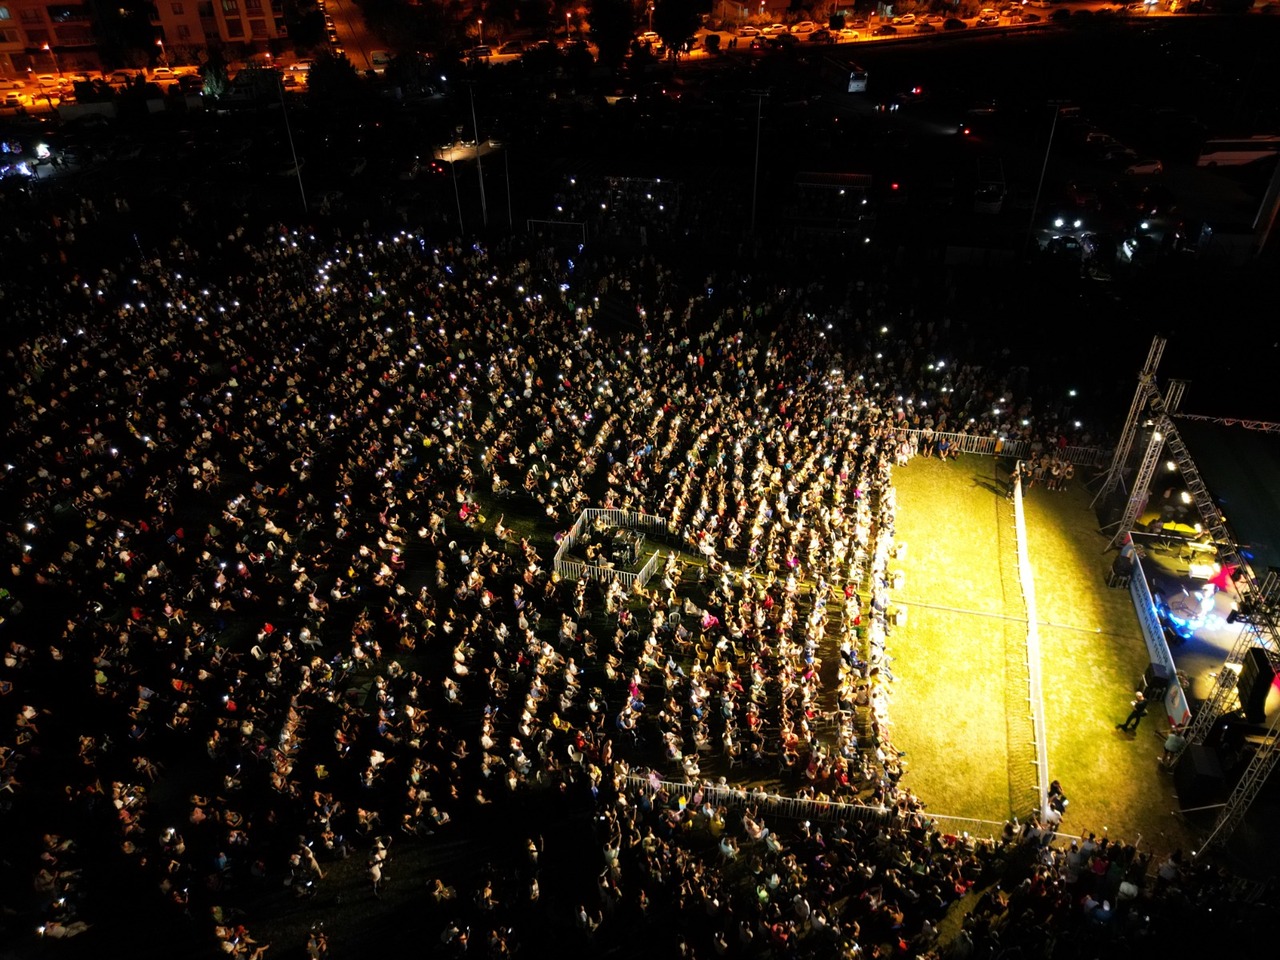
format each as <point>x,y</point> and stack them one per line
<point>1144,166</point>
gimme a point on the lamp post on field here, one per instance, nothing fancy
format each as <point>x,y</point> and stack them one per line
<point>57,69</point>
<point>284,109</point>
<point>1035,205</point>
<point>755,176</point>
<point>484,207</point>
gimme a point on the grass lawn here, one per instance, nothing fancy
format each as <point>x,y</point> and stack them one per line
<point>958,701</point>
<point>950,706</point>
<point>1092,659</point>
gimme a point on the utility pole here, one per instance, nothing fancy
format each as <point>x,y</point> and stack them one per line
<point>506,162</point>
<point>457,196</point>
<point>484,207</point>
<point>289,132</point>
<point>1035,206</point>
<point>755,177</point>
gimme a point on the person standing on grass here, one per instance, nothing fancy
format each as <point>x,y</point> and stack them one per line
<point>1138,710</point>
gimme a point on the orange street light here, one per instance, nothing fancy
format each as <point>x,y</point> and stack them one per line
<point>57,69</point>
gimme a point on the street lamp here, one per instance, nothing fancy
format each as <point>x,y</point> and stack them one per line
<point>164,55</point>
<point>57,69</point>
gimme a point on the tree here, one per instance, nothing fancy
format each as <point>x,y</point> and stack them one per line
<point>612,24</point>
<point>214,73</point>
<point>332,81</point>
<point>676,21</point>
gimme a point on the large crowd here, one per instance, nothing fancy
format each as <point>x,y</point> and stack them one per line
<point>280,596</point>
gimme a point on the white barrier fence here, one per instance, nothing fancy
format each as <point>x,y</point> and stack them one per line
<point>626,519</point>
<point>817,811</point>
<point>1035,690</point>
<point>1175,698</point>
<point>996,446</point>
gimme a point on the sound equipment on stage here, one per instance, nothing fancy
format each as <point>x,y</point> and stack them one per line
<point>1155,681</point>
<point>1256,677</point>
<point>1198,777</point>
<point>626,546</point>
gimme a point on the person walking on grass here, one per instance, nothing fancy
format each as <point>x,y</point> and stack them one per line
<point>1138,710</point>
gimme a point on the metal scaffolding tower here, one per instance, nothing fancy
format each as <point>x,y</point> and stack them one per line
<point>1146,382</point>
<point>1263,426</point>
<point>1255,775</point>
<point>1162,432</point>
<point>1259,630</point>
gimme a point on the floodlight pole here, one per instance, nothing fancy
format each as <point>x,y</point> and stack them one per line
<point>289,133</point>
<point>755,177</point>
<point>506,163</point>
<point>1035,206</point>
<point>453,165</point>
<point>484,207</point>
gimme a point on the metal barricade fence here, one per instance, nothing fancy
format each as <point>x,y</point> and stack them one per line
<point>994,445</point>
<point>630,519</point>
<point>821,811</point>
<point>1035,691</point>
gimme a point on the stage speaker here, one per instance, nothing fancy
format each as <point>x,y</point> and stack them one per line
<point>1155,681</point>
<point>1256,677</point>
<point>1198,777</point>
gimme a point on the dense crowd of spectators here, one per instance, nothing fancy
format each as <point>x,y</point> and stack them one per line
<point>279,591</point>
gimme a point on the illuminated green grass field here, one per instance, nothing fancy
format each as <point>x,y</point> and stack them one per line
<point>959,703</point>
